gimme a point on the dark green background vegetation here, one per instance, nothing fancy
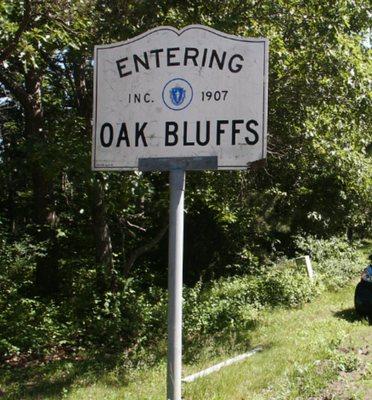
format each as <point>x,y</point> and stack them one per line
<point>83,256</point>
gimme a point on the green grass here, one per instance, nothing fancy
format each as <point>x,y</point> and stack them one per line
<point>300,357</point>
<point>304,351</point>
<point>296,343</point>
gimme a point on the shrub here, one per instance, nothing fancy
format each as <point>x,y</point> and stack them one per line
<point>234,303</point>
<point>225,304</point>
<point>135,318</point>
<point>27,324</point>
<point>335,260</point>
<point>287,287</point>
<point>113,321</point>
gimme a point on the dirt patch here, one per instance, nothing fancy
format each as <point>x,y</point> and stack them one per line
<point>355,372</point>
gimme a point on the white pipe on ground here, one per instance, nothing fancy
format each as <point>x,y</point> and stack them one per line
<point>217,367</point>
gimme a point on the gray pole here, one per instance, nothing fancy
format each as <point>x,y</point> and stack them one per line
<point>176,210</point>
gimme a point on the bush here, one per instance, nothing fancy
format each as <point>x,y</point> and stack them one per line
<point>27,323</point>
<point>335,260</point>
<point>234,303</point>
<point>124,319</point>
<point>135,318</point>
<point>225,304</point>
<point>287,287</point>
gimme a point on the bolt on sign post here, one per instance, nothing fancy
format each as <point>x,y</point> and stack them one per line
<point>176,100</point>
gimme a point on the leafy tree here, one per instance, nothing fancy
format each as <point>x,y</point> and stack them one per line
<point>97,231</point>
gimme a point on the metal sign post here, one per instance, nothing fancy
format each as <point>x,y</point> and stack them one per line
<point>179,100</point>
<point>176,209</point>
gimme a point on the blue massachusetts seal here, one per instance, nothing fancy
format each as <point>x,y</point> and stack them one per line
<point>177,94</point>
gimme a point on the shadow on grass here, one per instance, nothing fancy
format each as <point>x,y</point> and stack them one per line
<point>350,315</point>
<point>54,378</point>
<point>41,380</point>
<point>223,343</point>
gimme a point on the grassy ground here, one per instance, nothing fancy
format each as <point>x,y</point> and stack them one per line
<point>308,353</point>
<point>319,352</point>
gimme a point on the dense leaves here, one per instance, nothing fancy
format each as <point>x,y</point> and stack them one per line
<point>81,237</point>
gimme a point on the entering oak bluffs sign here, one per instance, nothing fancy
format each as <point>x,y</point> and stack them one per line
<point>191,93</point>
<point>179,100</point>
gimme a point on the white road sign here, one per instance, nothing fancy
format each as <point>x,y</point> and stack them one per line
<point>196,92</point>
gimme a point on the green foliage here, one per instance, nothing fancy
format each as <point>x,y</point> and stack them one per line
<point>288,287</point>
<point>68,234</point>
<point>336,261</point>
<point>134,318</point>
<point>346,362</point>
<point>122,320</point>
<point>235,303</point>
<point>224,305</point>
<point>28,324</point>
<point>318,176</point>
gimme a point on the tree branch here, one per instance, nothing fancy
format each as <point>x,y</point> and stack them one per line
<point>16,89</point>
<point>22,28</point>
<point>143,249</point>
<point>135,226</point>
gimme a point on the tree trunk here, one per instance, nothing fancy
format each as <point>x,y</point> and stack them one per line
<point>350,234</point>
<point>46,274</point>
<point>106,278</point>
<point>104,259</point>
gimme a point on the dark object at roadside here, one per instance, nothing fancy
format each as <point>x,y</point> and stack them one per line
<point>363,294</point>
